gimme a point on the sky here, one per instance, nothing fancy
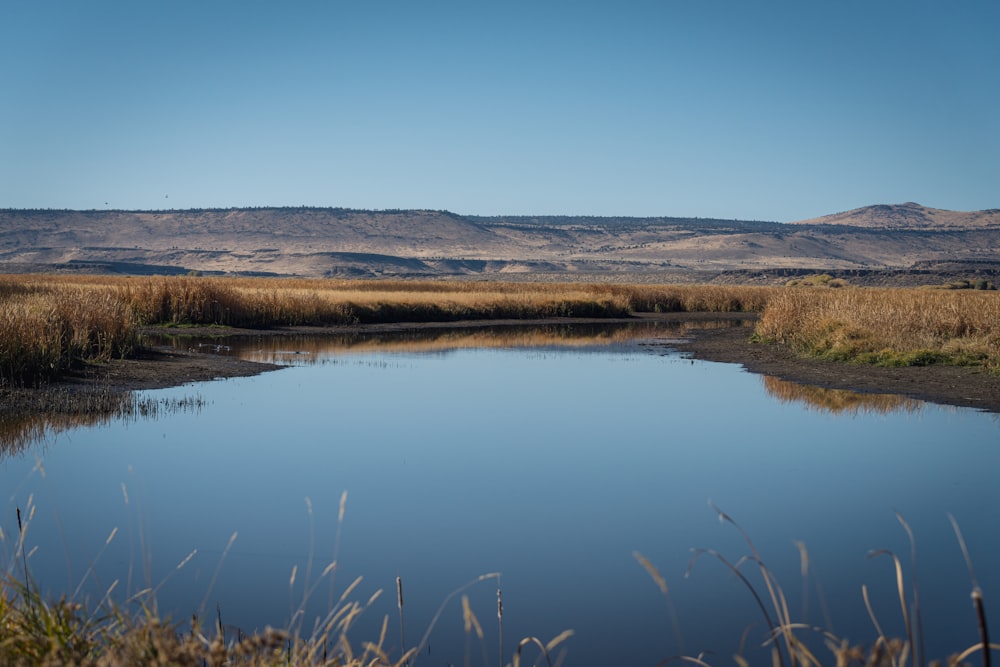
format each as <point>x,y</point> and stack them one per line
<point>694,108</point>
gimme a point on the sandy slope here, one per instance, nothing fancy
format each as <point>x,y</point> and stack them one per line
<point>348,243</point>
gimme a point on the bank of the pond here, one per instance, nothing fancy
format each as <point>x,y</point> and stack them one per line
<point>161,367</point>
<point>962,386</point>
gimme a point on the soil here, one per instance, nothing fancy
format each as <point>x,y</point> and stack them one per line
<point>166,367</point>
<point>962,386</point>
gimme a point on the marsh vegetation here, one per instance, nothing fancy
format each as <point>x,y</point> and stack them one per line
<point>49,324</point>
<point>333,416</point>
<point>890,327</point>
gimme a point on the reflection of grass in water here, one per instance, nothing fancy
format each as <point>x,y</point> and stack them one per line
<point>39,417</point>
<point>838,401</point>
<point>308,348</point>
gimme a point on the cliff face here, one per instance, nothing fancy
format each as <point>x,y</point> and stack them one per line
<point>350,243</point>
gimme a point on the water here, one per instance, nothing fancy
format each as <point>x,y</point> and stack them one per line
<point>552,458</point>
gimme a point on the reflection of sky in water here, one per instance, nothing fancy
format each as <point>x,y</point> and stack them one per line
<point>550,467</point>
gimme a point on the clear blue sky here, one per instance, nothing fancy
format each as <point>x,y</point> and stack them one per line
<point>757,110</point>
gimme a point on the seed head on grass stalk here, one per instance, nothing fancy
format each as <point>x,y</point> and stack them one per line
<point>402,622</point>
<point>661,583</point>
<point>777,596</point>
<point>546,649</point>
<point>901,593</point>
<point>977,601</point>
<point>21,535</point>
<point>418,649</point>
<point>500,619</point>
<point>215,575</point>
<point>336,544</point>
<point>471,622</point>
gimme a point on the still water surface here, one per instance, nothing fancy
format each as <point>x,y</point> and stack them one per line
<point>550,457</point>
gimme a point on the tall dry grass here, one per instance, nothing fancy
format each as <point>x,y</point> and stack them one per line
<point>893,327</point>
<point>49,323</point>
<point>45,331</point>
<point>261,303</point>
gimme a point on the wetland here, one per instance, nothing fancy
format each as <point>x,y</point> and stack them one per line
<point>543,460</point>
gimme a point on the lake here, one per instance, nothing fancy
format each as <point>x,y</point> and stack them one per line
<point>565,465</point>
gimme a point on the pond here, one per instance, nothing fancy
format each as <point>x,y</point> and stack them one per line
<point>571,467</point>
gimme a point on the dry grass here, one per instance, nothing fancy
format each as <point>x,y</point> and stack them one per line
<point>37,631</point>
<point>892,327</point>
<point>794,644</point>
<point>45,330</point>
<point>48,323</point>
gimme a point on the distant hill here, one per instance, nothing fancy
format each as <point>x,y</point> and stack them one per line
<point>910,216</point>
<point>875,244</point>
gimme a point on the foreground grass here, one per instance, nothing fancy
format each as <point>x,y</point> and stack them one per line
<point>39,632</point>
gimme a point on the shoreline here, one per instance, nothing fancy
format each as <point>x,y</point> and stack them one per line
<point>958,386</point>
<point>162,367</point>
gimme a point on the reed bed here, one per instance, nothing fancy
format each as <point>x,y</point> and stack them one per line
<point>49,324</point>
<point>261,303</point>
<point>889,327</point>
<point>44,332</point>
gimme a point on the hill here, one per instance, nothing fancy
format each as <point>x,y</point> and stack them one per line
<point>910,216</point>
<point>904,242</point>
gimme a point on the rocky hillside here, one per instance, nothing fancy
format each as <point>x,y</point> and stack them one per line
<point>872,241</point>
<point>912,217</point>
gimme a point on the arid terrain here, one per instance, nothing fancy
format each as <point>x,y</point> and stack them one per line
<point>905,244</point>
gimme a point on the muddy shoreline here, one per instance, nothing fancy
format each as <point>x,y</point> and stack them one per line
<point>961,386</point>
<point>161,367</point>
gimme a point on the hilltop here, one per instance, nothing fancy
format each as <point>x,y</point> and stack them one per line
<point>904,243</point>
<point>910,216</point>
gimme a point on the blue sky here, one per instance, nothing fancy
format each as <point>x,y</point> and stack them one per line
<point>755,110</point>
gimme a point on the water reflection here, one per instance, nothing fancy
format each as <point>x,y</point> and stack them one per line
<point>300,349</point>
<point>29,417</point>
<point>838,401</point>
<point>552,467</point>
<point>22,427</point>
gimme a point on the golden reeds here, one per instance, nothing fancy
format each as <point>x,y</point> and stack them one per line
<point>44,332</point>
<point>892,327</point>
<point>50,323</point>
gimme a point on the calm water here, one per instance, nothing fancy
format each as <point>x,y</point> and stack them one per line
<point>549,457</point>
